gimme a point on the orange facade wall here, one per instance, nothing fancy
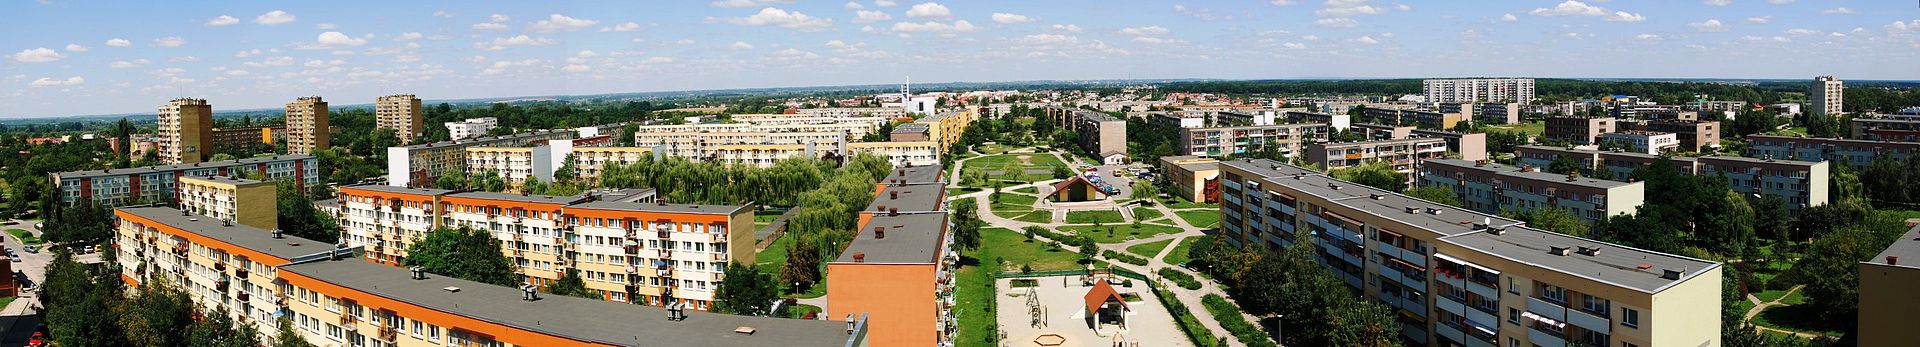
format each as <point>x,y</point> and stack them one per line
<point>898,299</point>
<point>499,332</point>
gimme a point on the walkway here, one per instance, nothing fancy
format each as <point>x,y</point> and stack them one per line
<point>1762,306</point>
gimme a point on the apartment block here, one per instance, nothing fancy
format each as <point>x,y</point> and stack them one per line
<point>1193,178</point>
<point>1457,277</point>
<point>1642,141</point>
<point>185,126</point>
<point>249,136</point>
<point>401,113</point>
<point>1497,112</point>
<point>1470,146</point>
<point>160,184</point>
<point>911,132</point>
<point>1462,90</point>
<point>1887,127</point>
<point>945,127</point>
<point>1101,134</point>
<point>1579,130</point>
<point>1493,188</point>
<point>1402,154</point>
<point>898,269</point>
<point>332,299</point>
<point>418,165</point>
<point>1620,164</point>
<point>307,128</point>
<point>1222,141</point>
<point>1695,136</point>
<point>470,128</point>
<point>1418,118</point>
<point>913,153</point>
<point>1827,95</point>
<point>610,236</point>
<point>1180,119</point>
<point>1886,287</point>
<point>1337,121</point>
<point>1855,153</point>
<point>853,112</point>
<point>1544,156</point>
<point>222,198</point>
<point>1801,184</point>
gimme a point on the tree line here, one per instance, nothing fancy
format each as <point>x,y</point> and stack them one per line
<point>1314,307</point>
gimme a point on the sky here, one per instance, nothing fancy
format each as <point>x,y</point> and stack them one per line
<point>69,57</point>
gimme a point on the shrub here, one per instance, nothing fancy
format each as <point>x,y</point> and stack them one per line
<point>1123,257</point>
<point>1180,278</point>
<point>1229,316</point>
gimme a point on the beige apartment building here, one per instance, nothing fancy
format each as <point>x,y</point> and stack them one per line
<point>186,131</point>
<point>401,113</point>
<point>1828,94</point>
<point>1886,293</point>
<point>1801,184</point>
<point>1192,177</point>
<point>307,128</point>
<point>1403,154</point>
<point>223,197</point>
<point>1456,277</point>
<point>1493,188</point>
<point>1578,130</point>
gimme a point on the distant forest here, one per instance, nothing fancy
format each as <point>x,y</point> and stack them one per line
<point>1861,96</point>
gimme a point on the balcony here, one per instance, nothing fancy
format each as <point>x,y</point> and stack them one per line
<point>1548,309</point>
<point>349,322</point>
<point>1589,321</point>
<point>1545,338</point>
<point>388,333</point>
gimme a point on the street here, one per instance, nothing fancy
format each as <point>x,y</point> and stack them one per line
<point>18,318</point>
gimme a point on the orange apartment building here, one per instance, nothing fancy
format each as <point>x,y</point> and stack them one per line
<point>897,271</point>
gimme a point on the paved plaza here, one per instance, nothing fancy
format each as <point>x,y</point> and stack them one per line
<point>1062,303</point>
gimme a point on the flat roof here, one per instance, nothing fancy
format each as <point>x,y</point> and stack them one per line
<point>915,174</point>
<point>910,128</point>
<point>178,167</point>
<point>1906,247</point>
<point>487,139</point>
<point>543,199</point>
<point>657,207</point>
<point>1510,171</point>
<point>1616,264</point>
<point>228,180</point>
<point>912,238</point>
<point>241,235</point>
<point>1267,168</point>
<point>583,319</point>
<point>909,197</point>
<point>1764,161</point>
<point>382,188</point>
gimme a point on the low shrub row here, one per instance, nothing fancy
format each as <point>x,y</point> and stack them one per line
<point>1123,257</point>
<point>1180,278</point>
<point>1229,316</point>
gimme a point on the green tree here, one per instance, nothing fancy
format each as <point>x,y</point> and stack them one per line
<point>1144,191</point>
<point>533,185</point>
<point>746,291</point>
<point>803,262</point>
<point>1436,194</point>
<point>491,181</point>
<point>450,180</point>
<point>287,337</point>
<point>158,316</point>
<point>1563,165</point>
<point>966,223</point>
<point>298,217</point>
<point>570,284</point>
<point>1770,218</point>
<point>1374,174</point>
<point>566,173</point>
<point>1551,219</point>
<point>1088,248</point>
<point>76,312</point>
<point>463,253</point>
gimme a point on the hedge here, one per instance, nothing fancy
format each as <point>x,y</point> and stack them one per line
<point>1181,278</point>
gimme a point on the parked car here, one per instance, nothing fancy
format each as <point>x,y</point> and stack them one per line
<point>32,249</point>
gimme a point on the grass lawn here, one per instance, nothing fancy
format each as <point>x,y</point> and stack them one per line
<point>1013,167</point>
<point>1532,128</point>
<point>1770,295</point>
<point>1181,203</point>
<point>1149,249</point>
<point>1179,254</point>
<point>995,148</point>
<point>1090,217</point>
<point>958,191</point>
<point>1010,201</point>
<point>800,311</point>
<point>1797,318</point>
<point>1742,306</point>
<point>1014,249</point>
<point>771,259</point>
<point>1036,217</point>
<point>1145,213</point>
<point>24,237</point>
<point>1028,190</point>
<point>1200,219</point>
<point>1120,231</point>
<point>762,218</point>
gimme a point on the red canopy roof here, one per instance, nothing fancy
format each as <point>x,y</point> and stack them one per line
<point>1100,293</point>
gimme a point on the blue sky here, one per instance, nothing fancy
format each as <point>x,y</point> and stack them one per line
<point>93,57</point>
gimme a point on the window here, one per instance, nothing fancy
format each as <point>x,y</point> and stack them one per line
<point>1553,293</point>
<point>1630,318</point>
<point>433,333</point>
<point>1513,316</point>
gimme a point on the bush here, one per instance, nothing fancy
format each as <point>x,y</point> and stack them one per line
<point>1123,257</point>
<point>1184,318</point>
<point>1229,316</point>
<point>1181,278</point>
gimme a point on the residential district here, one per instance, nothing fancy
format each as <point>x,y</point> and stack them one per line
<point>1443,212</point>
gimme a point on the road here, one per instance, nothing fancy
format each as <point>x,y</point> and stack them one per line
<point>18,318</point>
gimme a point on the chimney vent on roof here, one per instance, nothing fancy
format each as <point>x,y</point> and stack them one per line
<point>1376,196</point>
<point>226,222</point>
<point>1496,230</point>
<point>1559,250</point>
<point>1413,210</point>
<point>1671,274</point>
<point>850,324</point>
<point>893,195</point>
<point>277,233</point>
<point>1893,260</point>
<point>879,232</point>
<point>419,273</point>
<point>893,211</point>
<point>859,257</point>
<point>528,292</point>
<point>1334,186</point>
<point>1433,211</point>
<point>1589,251</point>
<point>744,330</point>
<point>451,289</point>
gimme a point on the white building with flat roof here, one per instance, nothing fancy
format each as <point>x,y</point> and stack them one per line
<point>470,128</point>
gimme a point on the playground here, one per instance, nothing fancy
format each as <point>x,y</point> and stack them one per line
<point>1083,311</point>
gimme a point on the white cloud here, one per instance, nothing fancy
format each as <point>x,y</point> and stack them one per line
<point>1284,2</point>
<point>864,16</point>
<point>1509,18</point>
<point>222,21</point>
<point>1802,32</point>
<point>325,26</point>
<point>500,43</point>
<point>498,18</point>
<point>1719,2</point>
<point>122,64</point>
<point>1903,26</point>
<point>170,41</point>
<point>1155,40</point>
<point>741,45</point>
<point>1348,8</point>
<point>1779,2</point>
<point>1577,8</point>
<point>443,14</point>
<point>1009,18</point>
<point>557,22</point>
<point>628,26</point>
<point>1048,39</point>
<point>1837,10</point>
<point>119,42</point>
<point>238,73</point>
<point>1648,37</point>
<point>853,6</point>
<point>747,3</point>
<point>1293,45</point>
<point>38,55</point>
<point>781,18</point>
<point>1366,40</point>
<point>49,82</point>
<point>270,61</point>
<point>1711,25</point>
<point>1067,28</point>
<point>1336,22</point>
<point>71,47</point>
<point>792,53</point>
<point>576,68</point>
<point>884,3</point>
<point>337,39</point>
<point>585,54</point>
<point>184,59</point>
<point>1144,31</point>
<point>1760,19</point>
<point>937,27</point>
<point>929,9</point>
<point>274,17</point>
<point>490,26</point>
<point>323,63</point>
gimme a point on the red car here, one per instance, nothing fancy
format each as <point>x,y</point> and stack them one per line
<point>38,340</point>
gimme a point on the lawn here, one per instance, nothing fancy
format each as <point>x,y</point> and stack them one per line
<point>800,311</point>
<point>974,290</point>
<point>771,259</point>
<point>7,301</point>
<point>1036,217</point>
<point>1028,190</point>
<point>762,218</point>
<point>1149,249</point>
<point>1200,219</point>
<point>1090,217</point>
<point>1014,249</point>
<point>24,237</point>
<point>1010,201</point>
<point>1121,232</point>
<point>1145,213</point>
<point>994,148</point>
<point>1182,203</point>
<point>1013,168</point>
<point>1771,295</point>
<point>1532,128</point>
<point>1179,254</point>
<point>1800,318</point>
<point>958,191</point>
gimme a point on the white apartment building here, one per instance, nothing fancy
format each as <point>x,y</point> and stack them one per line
<point>1642,141</point>
<point>1466,90</point>
<point>470,128</point>
<point>1827,94</point>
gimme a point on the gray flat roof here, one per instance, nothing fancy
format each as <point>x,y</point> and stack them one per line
<point>1614,264</point>
<point>1763,161</point>
<point>228,180</point>
<point>178,167</point>
<point>910,128</point>
<point>403,190</point>
<point>591,320</point>
<point>487,139</point>
<point>912,238</point>
<point>545,199</point>
<point>1267,168</point>
<point>1906,247</point>
<point>656,207</point>
<point>1510,171</point>
<point>910,197</point>
<point>241,235</point>
<point>914,174</point>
